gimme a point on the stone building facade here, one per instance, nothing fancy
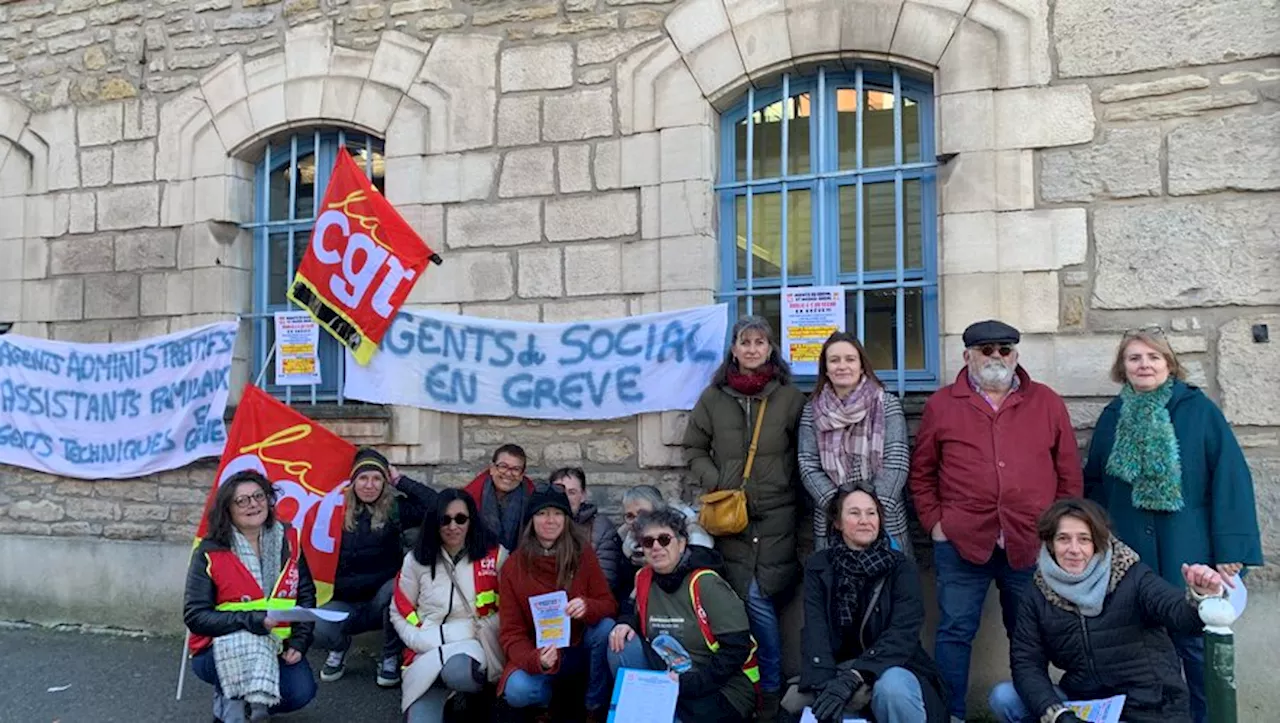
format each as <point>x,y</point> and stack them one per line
<point>1100,165</point>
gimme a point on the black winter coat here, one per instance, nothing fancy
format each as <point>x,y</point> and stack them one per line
<point>1126,649</point>
<point>890,632</point>
<point>608,546</point>
<point>367,559</point>
<point>200,598</point>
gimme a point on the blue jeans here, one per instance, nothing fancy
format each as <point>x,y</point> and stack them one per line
<point>297,684</point>
<point>599,683</point>
<point>763,617</point>
<point>1007,705</point>
<point>897,697</point>
<point>361,618</point>
<point>1191,649</point>
<point>524,690</point>
<point>962,589</point>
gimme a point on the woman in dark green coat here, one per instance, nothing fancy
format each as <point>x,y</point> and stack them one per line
<point>761,560</point>
<point>1167,467</point>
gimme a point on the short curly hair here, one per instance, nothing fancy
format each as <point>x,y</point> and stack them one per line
<point>667,517</point>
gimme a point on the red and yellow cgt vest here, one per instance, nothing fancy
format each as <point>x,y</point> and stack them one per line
<point>238,591</point>
<point>484,574</point>
<point>644,580</point>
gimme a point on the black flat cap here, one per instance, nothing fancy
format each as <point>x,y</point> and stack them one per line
<point>990,332</point>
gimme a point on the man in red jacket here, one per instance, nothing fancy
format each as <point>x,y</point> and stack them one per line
<point>501,491</point>
<point>994,450</point>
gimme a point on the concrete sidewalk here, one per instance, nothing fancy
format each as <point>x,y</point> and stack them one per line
<point>116,679</point>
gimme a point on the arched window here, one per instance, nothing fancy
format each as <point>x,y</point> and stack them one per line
<point>829,179</point>
<point>289,184</point>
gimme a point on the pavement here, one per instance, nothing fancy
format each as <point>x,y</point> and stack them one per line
<point>115,678</point>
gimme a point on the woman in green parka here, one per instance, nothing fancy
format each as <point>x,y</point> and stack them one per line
<point>761,560</point>
<point>1167,467</point>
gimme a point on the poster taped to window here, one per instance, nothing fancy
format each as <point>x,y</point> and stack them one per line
<point>297,348</point>
<point>810,314</point>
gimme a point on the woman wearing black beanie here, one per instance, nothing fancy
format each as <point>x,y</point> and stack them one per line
<point>379,505</point>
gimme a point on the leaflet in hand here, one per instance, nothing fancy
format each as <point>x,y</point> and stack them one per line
<point>307,615</point>
<point>551,619</point>
<point>1106,710</point>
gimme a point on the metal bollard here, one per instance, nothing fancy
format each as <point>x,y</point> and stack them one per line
<point>1219,659</point>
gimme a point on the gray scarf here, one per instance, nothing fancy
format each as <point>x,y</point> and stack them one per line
<point>1087,590</point>
<point>246,663</point>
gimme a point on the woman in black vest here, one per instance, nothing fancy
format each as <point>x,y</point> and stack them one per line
<point>379,505</point>
<point>863,611</point>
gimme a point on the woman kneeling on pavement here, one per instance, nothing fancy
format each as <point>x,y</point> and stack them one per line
<point>863,610</point>
<point>257,665</point>
<point>1104,617</point>
<point>445,609</point>
<point>553,555</point>
<point>692,613</point>
<point>378,506</point>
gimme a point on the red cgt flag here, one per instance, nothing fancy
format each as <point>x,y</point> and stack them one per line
<point>361,264</point>
<point>308,466</point>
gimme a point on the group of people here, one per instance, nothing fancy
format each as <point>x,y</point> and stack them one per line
<point>1098,565</point>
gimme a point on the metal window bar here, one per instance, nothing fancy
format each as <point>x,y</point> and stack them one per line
<point>824,183</point>
<point>285,154</point>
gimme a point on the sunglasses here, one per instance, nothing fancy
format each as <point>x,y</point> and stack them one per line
<point>1153,330</point>
<point>991,349</point>
<point>647,541</point>
<point>459,519</point>
<point>243,501</point>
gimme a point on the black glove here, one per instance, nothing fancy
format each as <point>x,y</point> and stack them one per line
<point>1069,717</point>
<point>835,694</point>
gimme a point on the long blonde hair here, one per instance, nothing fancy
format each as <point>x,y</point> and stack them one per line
<point>353,506</point>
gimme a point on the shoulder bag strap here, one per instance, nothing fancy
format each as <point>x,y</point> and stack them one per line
<point>449,568</point>
<point>755,439</point>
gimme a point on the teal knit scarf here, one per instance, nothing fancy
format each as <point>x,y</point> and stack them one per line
<point>1146,451</point>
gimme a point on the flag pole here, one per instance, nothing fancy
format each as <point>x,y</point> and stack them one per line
<point>182,665</point>
<point>262,373</point>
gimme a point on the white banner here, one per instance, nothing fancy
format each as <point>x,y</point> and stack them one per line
<point>297,348</point>
<point>114,411</point>
<point>585,370</point>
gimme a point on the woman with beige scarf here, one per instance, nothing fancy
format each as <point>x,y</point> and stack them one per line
<point>853,433</point>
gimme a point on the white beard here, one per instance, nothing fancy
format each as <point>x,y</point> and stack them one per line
<point>995,375</point>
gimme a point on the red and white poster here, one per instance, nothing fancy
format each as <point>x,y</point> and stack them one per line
<point>308,466</point>
<point>361,264</point>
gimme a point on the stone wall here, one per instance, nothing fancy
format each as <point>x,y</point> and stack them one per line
<point>1104,165</point>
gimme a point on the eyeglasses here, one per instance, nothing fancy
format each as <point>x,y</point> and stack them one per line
<point>1153,330</point>
<point>459,519</point>
<point>507,469</point>
<point>647,541</point>
<point>631,516</point>
<point>243,501</point>
<point>991,349</point>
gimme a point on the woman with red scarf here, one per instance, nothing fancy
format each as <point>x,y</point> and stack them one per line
<point>751,390</point>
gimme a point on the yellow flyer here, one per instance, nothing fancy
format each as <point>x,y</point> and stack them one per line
<point>810,314</point>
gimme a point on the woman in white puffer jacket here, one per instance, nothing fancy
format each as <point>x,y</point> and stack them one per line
<point>446,598</point>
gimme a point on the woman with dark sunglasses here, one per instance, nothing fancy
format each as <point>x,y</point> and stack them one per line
<point>682,597</point>
<point>446,599</point>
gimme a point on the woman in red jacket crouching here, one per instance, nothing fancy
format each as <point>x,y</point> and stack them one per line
<point>248,565</point>
<point>552,555</point>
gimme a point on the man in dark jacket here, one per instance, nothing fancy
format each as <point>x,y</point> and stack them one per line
<point>602,531</point>
<point>501,491</point>
<point>379,504</point>
<point>994,450</point>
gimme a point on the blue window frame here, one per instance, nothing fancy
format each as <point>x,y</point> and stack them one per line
<point>829,179</point>
<point>289,183</point>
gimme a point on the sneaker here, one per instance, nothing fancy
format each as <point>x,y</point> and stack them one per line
<point>389,673</point>
<point>334,666</point>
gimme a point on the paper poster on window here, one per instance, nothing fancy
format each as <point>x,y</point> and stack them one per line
<point>810,314</point>
<point>297,348</point>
